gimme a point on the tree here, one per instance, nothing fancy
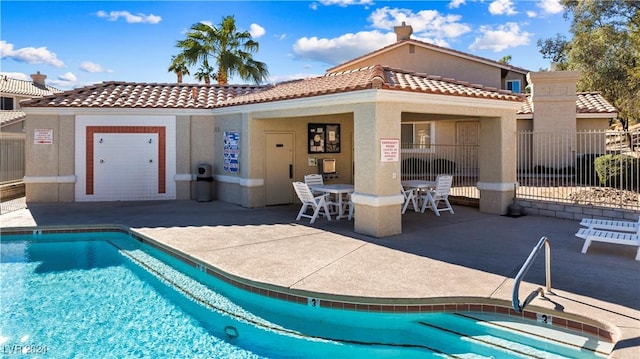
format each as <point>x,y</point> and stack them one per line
<point>556,50</point>
<point>227,48</point>
<point>179,67</point>
<point>205,73</point>
<point>606,48</point>
<point>505,59</point>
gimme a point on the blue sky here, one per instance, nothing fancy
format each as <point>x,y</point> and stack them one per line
<point>78,43</point>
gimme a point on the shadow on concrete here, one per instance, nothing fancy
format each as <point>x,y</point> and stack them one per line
<point>489,243</point>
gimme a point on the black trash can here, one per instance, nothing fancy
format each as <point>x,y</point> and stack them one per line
<point>204,183</point>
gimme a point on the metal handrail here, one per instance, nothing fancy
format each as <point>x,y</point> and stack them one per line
<point>517,306</point>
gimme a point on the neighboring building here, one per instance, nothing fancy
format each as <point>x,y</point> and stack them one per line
<point>13,91</point>
<point>132,141</point>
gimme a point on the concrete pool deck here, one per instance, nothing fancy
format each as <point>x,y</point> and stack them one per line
<point>469,254</point>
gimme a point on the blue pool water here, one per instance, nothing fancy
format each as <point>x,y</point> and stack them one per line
<point>110,296</point>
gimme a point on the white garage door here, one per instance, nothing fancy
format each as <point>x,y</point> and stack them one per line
<point>125,166</point>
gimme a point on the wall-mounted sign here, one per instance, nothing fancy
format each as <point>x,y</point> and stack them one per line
<point>231,151</point>
<point>389,150</point>
<point>324,138</point>
<point>43,136</point>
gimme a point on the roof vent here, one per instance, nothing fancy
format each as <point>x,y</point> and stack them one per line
<point>403,32</point>
<point>38,78</point>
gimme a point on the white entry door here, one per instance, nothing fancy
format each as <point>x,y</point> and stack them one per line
<point>125,166</point>
<point>278,168</point>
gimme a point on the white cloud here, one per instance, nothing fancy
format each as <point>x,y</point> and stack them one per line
<point>129,17</point>
<point>337,50</point>
<point>15,75</point>
<point>69,77</point>
<point>532,13</point>
<point>551,6</point>
<point>30,55</point>
<point>454,4</point>
<point>313,6</point>
<point>256,31</point>
<point>89,66</point>
<point>425,23</point>
<point>503,37</point>
<point>502,7</point>
<point>344,3</point>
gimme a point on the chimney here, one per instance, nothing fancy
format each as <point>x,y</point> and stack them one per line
<point>403,32</point>
<point>38,78</point>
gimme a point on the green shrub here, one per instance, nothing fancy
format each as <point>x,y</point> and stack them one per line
<point>619,171</point>
<point>586,170</point>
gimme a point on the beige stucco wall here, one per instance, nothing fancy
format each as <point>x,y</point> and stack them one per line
<point>51,166</point>
<point>436,63</point>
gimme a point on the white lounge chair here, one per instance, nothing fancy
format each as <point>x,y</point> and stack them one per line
<point>623,234</point>
<point>313,180</point>
<point>610,225</point>
<point>439,194</point>
<point>318,204</point>
<point>410,196</point>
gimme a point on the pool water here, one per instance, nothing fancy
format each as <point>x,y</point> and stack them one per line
<point>106,295</point>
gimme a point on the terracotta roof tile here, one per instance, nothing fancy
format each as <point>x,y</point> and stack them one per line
<point>140,95</point>
<point>587,102</point>
<point>372,77</point>
<point>25,88</point>
<point>143,95</point>
<point>593,102</point>
<point>9,117</point>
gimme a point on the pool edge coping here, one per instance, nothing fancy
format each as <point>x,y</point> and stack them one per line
<point>605,331</point>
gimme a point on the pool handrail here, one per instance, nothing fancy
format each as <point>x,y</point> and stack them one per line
<point>517,305</point>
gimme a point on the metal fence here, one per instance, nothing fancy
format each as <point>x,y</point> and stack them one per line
<point>599,168</point>
<point>425,163</point>
<point>11,157</point>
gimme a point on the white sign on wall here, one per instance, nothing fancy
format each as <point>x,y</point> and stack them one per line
<point>389,150</point>
<point>43,136</point>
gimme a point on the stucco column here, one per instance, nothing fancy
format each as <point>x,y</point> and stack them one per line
<point>497,163</point>
<point>377,195</point>
<point>553,98</point>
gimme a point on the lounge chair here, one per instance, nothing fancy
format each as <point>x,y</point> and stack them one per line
<point>409,197</point>
<point>616,232</point>
<point>439,194</point>
<point>313,180</point>
<point>319,204</point>
<point>609,225</point>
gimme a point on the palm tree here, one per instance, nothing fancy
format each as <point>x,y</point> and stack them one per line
<point>229,49</point>
<point>205,73</point>
<point>178,66</point>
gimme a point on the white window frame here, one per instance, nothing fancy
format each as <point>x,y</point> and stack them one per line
<point>513,82</point>
<point>429,147</point>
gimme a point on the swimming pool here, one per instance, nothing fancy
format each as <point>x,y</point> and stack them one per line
<point>109,295</point>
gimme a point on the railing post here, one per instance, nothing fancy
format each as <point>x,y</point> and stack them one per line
<point>515,301</point>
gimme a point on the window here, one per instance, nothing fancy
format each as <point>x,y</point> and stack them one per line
<point>513,86</point>
<point>416,136</point>
<point>7,103</point>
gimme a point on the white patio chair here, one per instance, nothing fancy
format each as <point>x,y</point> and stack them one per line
<point>314,180</point>
<point>410,196</point>
<point>318,204</point>
<point>439,194</point>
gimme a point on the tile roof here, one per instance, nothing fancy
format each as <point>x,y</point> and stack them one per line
<point>141,95</point>
<point>587,102</point>
<point>436,48</point>
<point>9,117</point>
<point>25,88</point>
<point>373,77</point>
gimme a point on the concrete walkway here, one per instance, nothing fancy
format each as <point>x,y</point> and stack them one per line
<point>468,254</point>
